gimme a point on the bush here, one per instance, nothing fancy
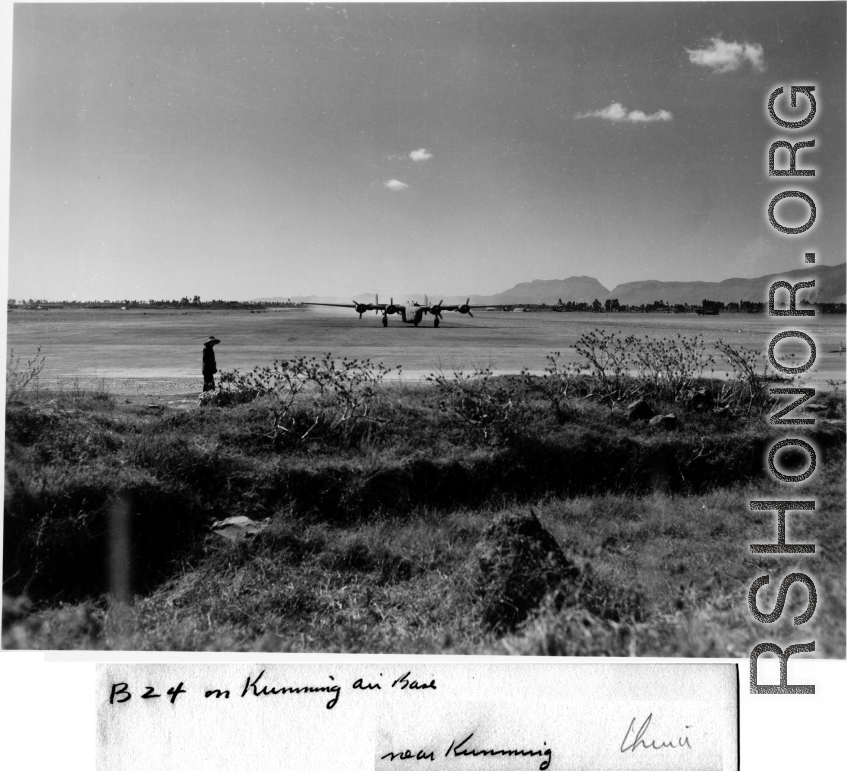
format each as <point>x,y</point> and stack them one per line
<point>340,392</point>
<point>608,357</point>
<point>745,388</point>
<point>670,366</point>
<point>490,409</point>
<point>665,367</point>
<point>668,369</point>
<point>557,385</point>
<point>19,377</point>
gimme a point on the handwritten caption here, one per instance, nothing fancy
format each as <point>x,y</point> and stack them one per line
<point>626,735</point>
<point>120,693</point>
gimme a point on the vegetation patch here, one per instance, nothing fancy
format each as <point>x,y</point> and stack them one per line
<point>460,513</point>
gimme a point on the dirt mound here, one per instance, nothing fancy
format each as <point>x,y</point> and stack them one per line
<point>514,567</point>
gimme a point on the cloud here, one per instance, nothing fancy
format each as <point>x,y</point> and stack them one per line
<point>722,56</point>
<point>420,155</point>
<point>395,184</point>
<point>619,114</point>
<point>636,116</point>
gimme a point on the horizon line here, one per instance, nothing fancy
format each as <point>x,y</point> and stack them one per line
<point>810,266</point>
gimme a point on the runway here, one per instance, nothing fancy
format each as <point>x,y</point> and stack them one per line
<point>158,351</point>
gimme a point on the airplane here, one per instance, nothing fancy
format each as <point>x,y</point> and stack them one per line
<point>410,312</point>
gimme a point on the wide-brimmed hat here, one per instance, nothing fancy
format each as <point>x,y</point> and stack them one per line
<point>211,341</point>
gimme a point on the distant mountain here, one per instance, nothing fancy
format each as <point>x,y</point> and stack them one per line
<point>573,289</point>
<point>829,287</point>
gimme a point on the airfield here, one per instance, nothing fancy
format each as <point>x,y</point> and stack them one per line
<point>158,352</point>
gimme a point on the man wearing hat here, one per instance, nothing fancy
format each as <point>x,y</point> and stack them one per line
<point>210,367</point>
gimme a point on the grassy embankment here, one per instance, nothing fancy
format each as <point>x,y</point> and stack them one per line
<point>379,500</point>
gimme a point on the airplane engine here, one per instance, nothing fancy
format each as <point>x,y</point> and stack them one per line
<point>435,310</point>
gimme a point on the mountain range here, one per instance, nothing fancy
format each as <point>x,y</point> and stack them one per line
<point>830,281</point>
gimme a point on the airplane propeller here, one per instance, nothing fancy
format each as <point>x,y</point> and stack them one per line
<point>465,308</point>
<point>435,310</point>
<point>363,307</point>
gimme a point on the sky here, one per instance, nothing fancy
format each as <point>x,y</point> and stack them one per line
<point>242,151</point>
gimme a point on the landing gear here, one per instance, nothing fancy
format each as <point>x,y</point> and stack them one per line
<point>385,321</point>
<point>436,322</point>
<point>416,323</point>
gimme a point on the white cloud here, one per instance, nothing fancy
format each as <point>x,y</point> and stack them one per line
<point>619,114</point>
<point>615,111</point>
<point>420,155</point>
<point>721,56</point>
<point>395,184</point>
<point>636,116</point>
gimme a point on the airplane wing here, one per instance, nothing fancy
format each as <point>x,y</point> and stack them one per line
<point>369,306</point>
<point>466,308</point>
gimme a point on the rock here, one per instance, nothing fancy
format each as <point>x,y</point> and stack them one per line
<point>514,567</point>
<point>239,528</point>
<point>640,410</point>
<point>664,421</point>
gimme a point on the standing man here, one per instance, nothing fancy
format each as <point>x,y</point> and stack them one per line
<point>210,367</point>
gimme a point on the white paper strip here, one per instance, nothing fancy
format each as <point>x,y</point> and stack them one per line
<point>471,717</point>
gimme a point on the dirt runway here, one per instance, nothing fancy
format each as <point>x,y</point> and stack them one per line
<point>138,352</point>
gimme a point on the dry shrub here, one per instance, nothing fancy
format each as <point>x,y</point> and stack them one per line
<point>340,393</point>
<point>491,410</point>
<point>19,376</point>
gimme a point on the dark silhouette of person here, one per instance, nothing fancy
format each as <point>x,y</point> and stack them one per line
<point>210,366</point>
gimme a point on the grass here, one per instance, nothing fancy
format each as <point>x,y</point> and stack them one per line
<point>378,513</point>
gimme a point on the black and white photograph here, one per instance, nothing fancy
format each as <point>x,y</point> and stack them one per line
<point>463,329</point>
